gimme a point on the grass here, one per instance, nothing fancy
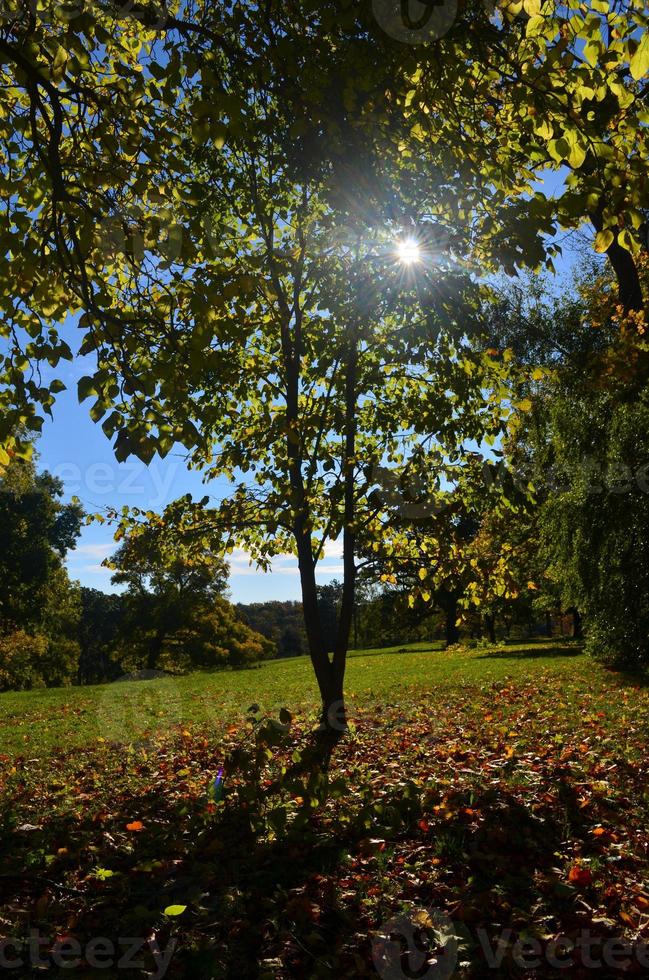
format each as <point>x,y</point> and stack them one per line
<point>504,787</point>
<point>41,722</point>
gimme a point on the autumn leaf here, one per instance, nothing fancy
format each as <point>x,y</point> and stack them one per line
<point>579,876</point>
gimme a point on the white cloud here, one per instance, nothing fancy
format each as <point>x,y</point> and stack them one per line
<point>330,570</point>
<point>98,550</point>
<point>240,560</point>
<point>334,549</point>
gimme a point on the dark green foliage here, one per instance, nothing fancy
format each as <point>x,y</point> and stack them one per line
<point>280,622</point>
<point>596,530</point>
<point>174,614</point>
<point>36,531</point>
<point>329,603</point>
<point>39,607</point>
<point>102,615</point>
<point>585,448</point>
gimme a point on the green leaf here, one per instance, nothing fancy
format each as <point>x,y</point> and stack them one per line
<point>175,909</point>
<point>86,387</point>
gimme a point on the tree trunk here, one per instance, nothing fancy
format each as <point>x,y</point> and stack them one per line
<point>329,675</point>
<point>548,624</point>
<point>624,266</point>
<point>330,680</point>
<point>490,624</point>
<point>577,625</point>
<point>334,714</point>
<point>452,633</point>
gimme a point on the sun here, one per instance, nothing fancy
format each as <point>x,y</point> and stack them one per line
<point>408,251</point>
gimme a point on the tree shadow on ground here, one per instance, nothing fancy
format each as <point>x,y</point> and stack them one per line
<point>313,903</point>
<point>629,677</point>
<point>562,649</point>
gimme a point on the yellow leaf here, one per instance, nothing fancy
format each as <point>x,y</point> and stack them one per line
<point>603,239</point>
<point>627,241</point>
<point>639,63</point>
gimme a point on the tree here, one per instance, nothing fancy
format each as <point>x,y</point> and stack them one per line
<point>311,366</point>
<point>280,622</point>
<point>36,532</point>
<point>99,630</point>
<point>583,447</point>
<point>39,607</point>
<point>174,616</point>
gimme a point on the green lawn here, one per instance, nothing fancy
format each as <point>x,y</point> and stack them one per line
<point>506,788</point>
<point>39,722</point>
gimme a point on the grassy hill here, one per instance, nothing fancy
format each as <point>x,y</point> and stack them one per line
<point>503,788</point>
<point>42,721</point>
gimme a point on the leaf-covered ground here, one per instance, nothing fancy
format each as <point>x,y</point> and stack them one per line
<point>503,793</point>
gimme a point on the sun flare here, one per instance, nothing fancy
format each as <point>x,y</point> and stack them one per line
<point>408,251</point>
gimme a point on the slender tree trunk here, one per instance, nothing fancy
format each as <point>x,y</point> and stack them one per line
<point>577,625</point>
<point>329,674</point>
<point>548,623</point>
<point>452,633</point>
<point>335,714</point>
<point>490,624</point>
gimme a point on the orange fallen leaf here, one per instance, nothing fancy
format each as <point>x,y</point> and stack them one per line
<point>579,876</point>
<point>135,825</point>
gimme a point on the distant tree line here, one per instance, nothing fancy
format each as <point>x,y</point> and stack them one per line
<point>172,615</point>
